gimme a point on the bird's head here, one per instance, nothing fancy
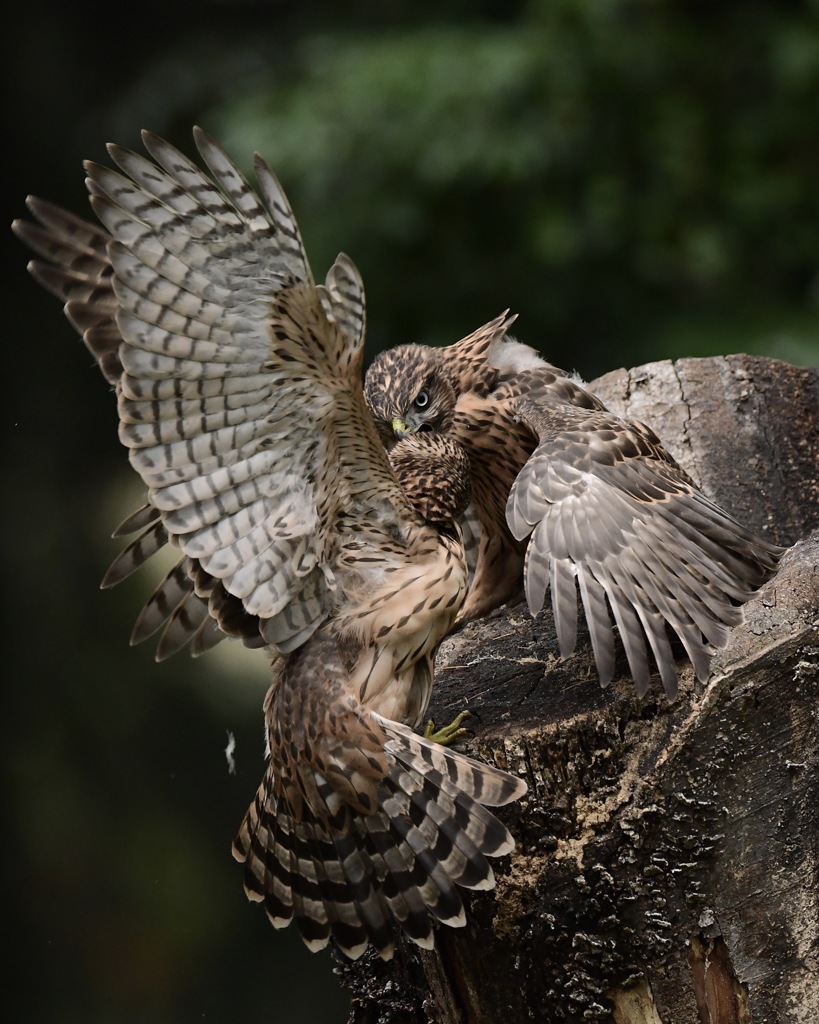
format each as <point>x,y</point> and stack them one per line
<point>409,391</point>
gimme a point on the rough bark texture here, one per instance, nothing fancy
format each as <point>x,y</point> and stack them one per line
<point>666,866</point>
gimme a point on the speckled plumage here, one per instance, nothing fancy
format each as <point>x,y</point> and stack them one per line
<point>240,398</point>
<point>572,498</point>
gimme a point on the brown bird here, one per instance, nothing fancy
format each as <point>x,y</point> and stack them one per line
<point>240,397</point>
<point>567,496</point>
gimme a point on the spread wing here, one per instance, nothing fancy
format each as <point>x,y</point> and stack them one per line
<point>238,381</point>
<point>76,268</point>
<point>610,513</point>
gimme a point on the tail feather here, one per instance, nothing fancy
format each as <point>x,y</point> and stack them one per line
<point>354,879</point>
<point>262,845</point>
<point>365,919</point>
<point>458,855</point>
<point>309,909</point>
<point>395,880</point>
<point>490,786</point>
<point>356,909</point>
<point>417,846</point>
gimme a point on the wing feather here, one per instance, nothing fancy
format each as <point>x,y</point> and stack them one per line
<point>603,503</point>
<point>212,285</point>
<point>78,272</point>
<point>238,381</point>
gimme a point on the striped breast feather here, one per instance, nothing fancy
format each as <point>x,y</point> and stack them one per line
<point>240,397</point>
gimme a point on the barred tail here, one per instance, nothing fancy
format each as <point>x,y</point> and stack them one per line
<point>354,878</point>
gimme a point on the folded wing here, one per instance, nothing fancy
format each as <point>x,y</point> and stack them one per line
<point>610,513</point>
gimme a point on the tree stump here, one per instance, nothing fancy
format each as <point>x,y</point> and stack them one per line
<point>667,864</point>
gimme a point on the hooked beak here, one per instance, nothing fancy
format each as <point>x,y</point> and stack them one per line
<point>401,428</point>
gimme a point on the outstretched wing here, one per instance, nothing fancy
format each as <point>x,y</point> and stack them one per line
<point>240,393</point>
<point>78,271</point>
<point>76,268</point>
<point>611,513</point>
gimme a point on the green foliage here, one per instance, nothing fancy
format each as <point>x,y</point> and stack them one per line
<point>631,176</point>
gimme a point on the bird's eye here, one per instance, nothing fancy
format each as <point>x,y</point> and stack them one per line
<point>422,399</point>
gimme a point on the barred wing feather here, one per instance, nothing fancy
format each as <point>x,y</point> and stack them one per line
<point>238,382</point>
<point>241,398</point>
<point>610,514</point>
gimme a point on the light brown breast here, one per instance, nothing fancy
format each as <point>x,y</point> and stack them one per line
<point>498,447</point>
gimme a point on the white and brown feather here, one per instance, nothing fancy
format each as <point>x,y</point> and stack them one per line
<point>241,404</point>
<point>574,500</point>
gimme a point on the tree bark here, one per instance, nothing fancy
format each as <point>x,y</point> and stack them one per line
<point>666,865</point>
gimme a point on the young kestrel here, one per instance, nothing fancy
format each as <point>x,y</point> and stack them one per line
<point>239,388</point>
<point>571,497</point>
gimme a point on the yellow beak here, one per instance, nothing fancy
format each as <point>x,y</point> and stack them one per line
<point>400,428</point>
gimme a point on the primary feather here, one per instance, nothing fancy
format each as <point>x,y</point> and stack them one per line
<point>239,388</point>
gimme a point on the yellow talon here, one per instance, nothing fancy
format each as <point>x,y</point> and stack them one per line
<point>449,733</point>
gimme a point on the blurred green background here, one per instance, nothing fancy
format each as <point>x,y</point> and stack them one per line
<point>635,178</point>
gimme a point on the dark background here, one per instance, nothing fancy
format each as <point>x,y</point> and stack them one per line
<point>636,179</point>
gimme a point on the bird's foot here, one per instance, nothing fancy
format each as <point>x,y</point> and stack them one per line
<point>449,733</point>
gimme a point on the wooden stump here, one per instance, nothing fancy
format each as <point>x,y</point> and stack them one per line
<point>667,863</point>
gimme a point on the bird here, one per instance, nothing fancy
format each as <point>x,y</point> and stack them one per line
<point>239,387</point>
<point>569,498</point>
